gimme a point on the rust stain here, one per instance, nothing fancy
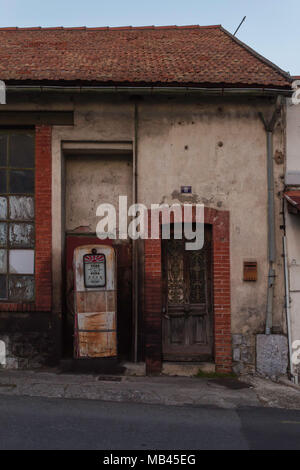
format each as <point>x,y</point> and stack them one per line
<point>97,321</point>
<point>91,302</point>
<point>97,344</point>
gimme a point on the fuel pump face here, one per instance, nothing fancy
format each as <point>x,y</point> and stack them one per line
<point>94,271</point>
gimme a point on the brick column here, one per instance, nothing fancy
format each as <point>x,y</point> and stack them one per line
<point>153,307</point>
<point>43,215</point>
<point>222,300</point>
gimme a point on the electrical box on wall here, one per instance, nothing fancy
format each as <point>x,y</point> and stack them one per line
<point>250,271</point>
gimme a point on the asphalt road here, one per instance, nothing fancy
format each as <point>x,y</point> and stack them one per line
<point>39,423</point>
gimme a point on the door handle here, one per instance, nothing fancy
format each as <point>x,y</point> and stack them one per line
<point>165,314</point>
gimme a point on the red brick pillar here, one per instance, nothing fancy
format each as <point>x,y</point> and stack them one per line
<point>153,307</point>
<point>222,308</point>
<point>43,215</point>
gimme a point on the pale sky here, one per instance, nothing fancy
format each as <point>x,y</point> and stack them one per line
<point>272,27</point>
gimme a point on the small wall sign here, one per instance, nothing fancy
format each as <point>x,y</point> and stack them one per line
<point>94,271</point>
<point>186,189</point>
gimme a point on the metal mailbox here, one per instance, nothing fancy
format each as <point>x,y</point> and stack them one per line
<point>95,302</point>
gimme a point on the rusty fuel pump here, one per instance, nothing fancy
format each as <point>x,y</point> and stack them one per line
<point>95,302</point>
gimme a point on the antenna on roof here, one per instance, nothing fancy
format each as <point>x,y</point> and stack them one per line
<point>240,24</point>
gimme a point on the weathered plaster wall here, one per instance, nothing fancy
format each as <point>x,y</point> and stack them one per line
<point>92,180</point>
<point>220,150</point>
<point>218,146</point>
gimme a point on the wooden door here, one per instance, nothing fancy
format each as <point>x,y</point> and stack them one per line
<point>187,312</point>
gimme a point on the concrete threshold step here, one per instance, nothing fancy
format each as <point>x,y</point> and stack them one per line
<point>187,369</point>
<point>110,366</point>
<point>115,367</point>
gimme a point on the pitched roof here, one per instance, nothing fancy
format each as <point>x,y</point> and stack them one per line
<point>181,56</point>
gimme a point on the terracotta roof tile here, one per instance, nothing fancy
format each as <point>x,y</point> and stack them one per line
<point>170,55</point>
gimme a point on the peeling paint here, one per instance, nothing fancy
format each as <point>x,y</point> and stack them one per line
<point>21,235</point>
<point>21,208</point>
<point>183,198</point>
<point>3,234</point>
<point>3,208</point>
<point>3,261</point>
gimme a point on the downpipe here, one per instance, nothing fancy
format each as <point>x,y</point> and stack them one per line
<point>271,230</point>
<point>269,127</point>
<point>135,265</point>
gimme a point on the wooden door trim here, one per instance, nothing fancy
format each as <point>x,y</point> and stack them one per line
<point>190,315</point>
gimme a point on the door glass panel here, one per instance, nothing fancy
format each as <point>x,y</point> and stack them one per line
<point>21,288</point>
<point>3,287</point>
<point>3,234</point>
<point>3,261</point>
<point>3,150</point>
<point>3,208</point>
<point>3,181</point>
<point>21,181</point>
<point>21,151</point>
<point>21,235</point>
<point>197,270</point>
<point>21,261</point>
<point>175,275</point>
<point>21,208</point>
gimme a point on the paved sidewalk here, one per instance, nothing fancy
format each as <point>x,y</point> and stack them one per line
<point>221,393</point>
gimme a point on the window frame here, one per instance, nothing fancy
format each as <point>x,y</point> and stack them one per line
<point>8,221</point>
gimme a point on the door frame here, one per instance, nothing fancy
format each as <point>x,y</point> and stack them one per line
<point>153,292</point>
<point>188,352</point>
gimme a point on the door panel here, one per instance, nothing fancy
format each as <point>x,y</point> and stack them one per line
<point>187,313</point>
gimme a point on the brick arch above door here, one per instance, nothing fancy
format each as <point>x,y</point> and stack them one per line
<point>219,220</point>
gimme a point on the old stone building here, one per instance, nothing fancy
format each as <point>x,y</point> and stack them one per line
<point>161,115</point>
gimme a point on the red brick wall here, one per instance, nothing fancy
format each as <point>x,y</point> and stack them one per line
<point>221,288</point>
<point>43,227</point>
<point>43,215</point>
<point>221,295</point>
<point>153,306</point>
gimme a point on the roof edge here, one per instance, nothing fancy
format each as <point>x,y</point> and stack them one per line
<point>257,55</point>
<point>147,89</point>
<point>105,28</point>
